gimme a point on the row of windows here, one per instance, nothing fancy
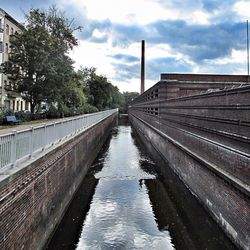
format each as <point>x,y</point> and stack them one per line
<point>9,31</point>
<point>152,111</point>
<point>153,94</point>
<point>2,47</point>
<point>145,97</point>
<point>20,105</point>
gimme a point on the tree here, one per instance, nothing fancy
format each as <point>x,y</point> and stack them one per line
<point>38,63</point>
<point>128,97</point>
<point>97,87</point>
<point>26,62</point>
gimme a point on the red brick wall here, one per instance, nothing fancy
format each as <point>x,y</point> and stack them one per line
<point>224,202</point>
<point>205,77</point>
<point>208,146</point>
<point>33,202</point>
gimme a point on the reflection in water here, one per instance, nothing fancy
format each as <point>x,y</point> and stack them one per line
<point>120,215</point>
<point>133,207</point>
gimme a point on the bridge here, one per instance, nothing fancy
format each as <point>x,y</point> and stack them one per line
<point>198,124</point>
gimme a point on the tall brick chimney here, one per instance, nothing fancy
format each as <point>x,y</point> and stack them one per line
<point>142,66</point>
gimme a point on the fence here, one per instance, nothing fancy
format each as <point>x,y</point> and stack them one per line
<point>19,145</point>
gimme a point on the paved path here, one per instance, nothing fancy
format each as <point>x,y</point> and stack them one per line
<point>23,127</point>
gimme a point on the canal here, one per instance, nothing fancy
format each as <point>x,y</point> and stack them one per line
<point>124,202</point>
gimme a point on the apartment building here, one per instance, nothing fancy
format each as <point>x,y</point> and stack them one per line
<point>9,97</point>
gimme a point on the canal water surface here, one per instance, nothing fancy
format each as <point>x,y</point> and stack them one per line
<point>125,203</point>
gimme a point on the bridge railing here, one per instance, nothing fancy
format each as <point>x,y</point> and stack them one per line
<point>18,145</point>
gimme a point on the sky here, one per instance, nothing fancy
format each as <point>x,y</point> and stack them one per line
<point>181,36</point>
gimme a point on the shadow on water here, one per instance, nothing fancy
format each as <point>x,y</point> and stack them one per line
<point>177,210</point>
<point>125,202</point>
<point>68,232</point>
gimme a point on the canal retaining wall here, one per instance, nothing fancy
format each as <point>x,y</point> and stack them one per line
<point>205,140</point>
<point>34,199</point>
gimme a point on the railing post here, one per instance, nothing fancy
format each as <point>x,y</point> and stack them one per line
<point>13,148</point>
<point>31,140</point>
<point>54,132</point>
<point>45,136</point>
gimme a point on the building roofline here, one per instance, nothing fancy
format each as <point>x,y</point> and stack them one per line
<point>204,77</point>
<point>12,19</point>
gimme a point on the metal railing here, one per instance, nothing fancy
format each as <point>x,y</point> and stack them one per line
<point>21,145</point>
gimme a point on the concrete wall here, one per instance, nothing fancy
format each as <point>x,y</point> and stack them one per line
<point>34,200</point>
<point>205,140</point>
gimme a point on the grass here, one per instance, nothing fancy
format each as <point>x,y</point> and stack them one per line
<point>24,123</point>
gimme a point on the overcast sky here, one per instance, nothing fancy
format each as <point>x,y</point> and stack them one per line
<point>183,36</point>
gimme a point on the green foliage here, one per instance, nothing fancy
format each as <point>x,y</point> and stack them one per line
<point>99,91</point>
<point>53,112</point>
<point>23,116</point>
<point>40,68</point>
<point>1,116</point>
<point>38,62</point>
<point>88,108</point>
<point>128,97</point>
<point>4,113</point>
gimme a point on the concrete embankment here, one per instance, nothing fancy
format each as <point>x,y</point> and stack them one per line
<point>34,199</point>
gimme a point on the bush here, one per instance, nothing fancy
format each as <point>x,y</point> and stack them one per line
<point>1,116</point>
<point>5,112</point>
<point>23,116</point>
<point>53,113</point>
<point>88,108</point>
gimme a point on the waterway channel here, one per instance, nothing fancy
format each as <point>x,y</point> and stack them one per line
<point>124,202</point>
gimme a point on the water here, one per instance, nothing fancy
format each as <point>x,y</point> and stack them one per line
<point>124,203</point>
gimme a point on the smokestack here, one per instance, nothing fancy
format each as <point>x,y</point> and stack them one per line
<point>142,66</point>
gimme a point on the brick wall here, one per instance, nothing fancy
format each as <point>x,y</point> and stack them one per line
<point>33,202</point>
<point>205,138</point>
<point>205,77</point>
<point>221,199</point>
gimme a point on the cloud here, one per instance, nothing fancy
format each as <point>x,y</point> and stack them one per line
<point>192,5</point>
<point>126,58</point>
<point>90,26</point>
<point>169,64</point>
<point>154,67</point>
<point>197,33</point>
<point>126,72</point>
<point>198,42</point>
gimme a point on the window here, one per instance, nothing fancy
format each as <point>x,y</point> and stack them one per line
<point>6,47</point>
<point>26,105</point>
<point>7,29</point>
<point>12,31</point>
<point>1,47</point>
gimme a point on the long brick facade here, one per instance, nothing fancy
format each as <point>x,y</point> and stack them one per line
<point>204,138</point>
<point>33,202</point>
